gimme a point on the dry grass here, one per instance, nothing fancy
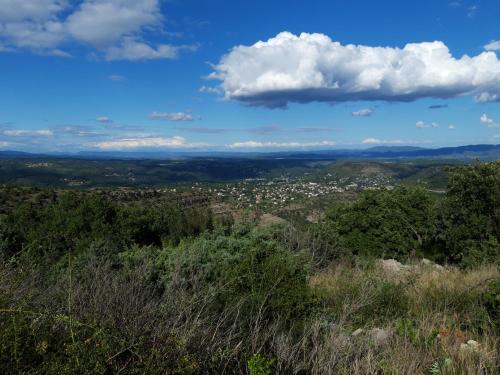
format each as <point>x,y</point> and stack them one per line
<point>441,313</point>
<point>430,315</point>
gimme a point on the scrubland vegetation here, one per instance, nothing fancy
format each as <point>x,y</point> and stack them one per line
<point>91,285</point>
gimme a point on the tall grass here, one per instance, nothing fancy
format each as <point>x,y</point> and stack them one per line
<point>121,322</point>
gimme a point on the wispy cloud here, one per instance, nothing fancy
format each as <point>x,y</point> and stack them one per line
<point>494,45</point>
<point>172,116</point>
<point>210,90</point>
<point>423,125</point>
<point>376,141</point>
<point>365,112</point>
<point>472,10</point>
<point>489,122</point>
<point>104,119</point>
<point>122,127</point>
<point>258,144</point>
<point>266,129</point>
<point>147,142</point>
<point>76,130</point>
<point>117,78</point>
<point>202,130</point>
<point>313,130</point>
<point>132,49</point>
<point>28,133</point>
<point>438,106</point>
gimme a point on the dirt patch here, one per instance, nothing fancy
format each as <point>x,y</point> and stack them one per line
<point>267,220</point>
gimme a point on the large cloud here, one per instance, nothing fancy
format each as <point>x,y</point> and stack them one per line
<point>312,67</point>
<point>116,28</point>
<point>103,22</point>
<point>40,10</point>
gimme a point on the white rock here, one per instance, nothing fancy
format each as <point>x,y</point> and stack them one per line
<point>342,340</point>
<point>381,336</point>
<point>427,262</point>
<point>473,344</point>
<point>439,267</point>
<point>357,332</point>
<point>392,265</point>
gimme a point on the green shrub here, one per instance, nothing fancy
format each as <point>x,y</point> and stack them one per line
<point>491,301</point>
<point>252,270</point>
<point>76,221</point>
<point>385,224</point>
<point>469,225</point>
<point>259,365</point>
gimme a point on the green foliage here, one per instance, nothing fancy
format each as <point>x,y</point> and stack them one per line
<point>442,366</point>
<point>406,328</point>
<point>385,224</point>
<point>259,365</point>
<point>469,227</point>
<point>162,287</point>
<point>75,221</point>
<point>323,241</point>
<point>250,271</point>
<point>381,300</point>
<point>491,301</point>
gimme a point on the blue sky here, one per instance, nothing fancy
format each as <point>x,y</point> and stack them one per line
<point>191,75</point>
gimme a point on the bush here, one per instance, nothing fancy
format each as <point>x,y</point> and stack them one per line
<point>252,272</point>
<point>258,365</point>
<point>385,224</point>
<point>76,220</point>
<point>469,227</point>
<point>491,301</point>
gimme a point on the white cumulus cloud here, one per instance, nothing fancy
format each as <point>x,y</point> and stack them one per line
<point>312,67</point>
<point>103,22</point>
<point>117,29</point>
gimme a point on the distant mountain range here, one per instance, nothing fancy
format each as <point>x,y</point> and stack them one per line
<point>483,152</point>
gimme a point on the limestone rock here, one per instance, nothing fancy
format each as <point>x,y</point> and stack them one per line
<point>357,332</point>
<point>380,336</point>
<point>392,266</point>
